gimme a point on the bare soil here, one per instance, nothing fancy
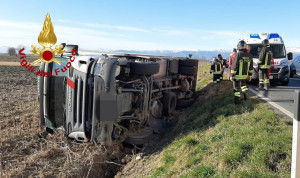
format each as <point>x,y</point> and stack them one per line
<point>6,58</point>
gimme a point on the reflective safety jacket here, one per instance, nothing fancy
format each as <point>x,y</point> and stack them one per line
<point>216,67</point>
<point>265,57</point>
<point>242,65</point>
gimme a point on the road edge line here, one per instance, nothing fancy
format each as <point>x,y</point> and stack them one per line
<point>286,112</point>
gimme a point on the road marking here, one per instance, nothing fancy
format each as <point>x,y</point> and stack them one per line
<point>288,113</point>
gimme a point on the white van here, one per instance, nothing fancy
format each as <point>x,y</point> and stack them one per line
<point>280,70</point>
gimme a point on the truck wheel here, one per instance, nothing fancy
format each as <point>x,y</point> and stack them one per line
<point>144,68</point>
<point>188,63</point>
<point>183,103</point>
<point>139,138</point>
<point>169,103</point>
<point>187,70</point>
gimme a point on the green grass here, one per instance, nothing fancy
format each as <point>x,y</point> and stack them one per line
<point>204,77</point>
<point>219,139</point>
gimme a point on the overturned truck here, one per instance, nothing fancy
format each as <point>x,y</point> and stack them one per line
<point>113,98</point>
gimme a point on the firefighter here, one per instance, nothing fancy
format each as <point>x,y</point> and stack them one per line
<point>216,69</point>
<point>264,64</point>
<point>230,60</point>
<point>223,65</point>
<point>242,69</point>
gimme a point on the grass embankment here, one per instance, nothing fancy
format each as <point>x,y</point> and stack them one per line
<point>219,139</point>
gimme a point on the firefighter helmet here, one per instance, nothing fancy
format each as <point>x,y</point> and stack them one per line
<point>241,45</point>
<point>265,42</point>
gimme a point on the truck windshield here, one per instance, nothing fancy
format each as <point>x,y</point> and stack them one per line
<point>277,49</point>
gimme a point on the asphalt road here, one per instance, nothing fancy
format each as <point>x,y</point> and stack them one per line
<point>283,96</point>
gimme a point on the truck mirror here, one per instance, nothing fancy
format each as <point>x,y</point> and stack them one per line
<point>290,56</point>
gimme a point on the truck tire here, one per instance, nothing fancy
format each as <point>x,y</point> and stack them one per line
<point>188,63</point>
<point>139,138</point>
<point>169,103</point>
<point>187,70</point>
<point>144,68</point>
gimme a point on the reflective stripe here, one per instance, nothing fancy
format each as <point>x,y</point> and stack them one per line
<point>241,69</point>
<point>266,66</point>
<point>250,71</point>
<point>259,62</point>
<point>237,94</point>
<point>240,77</point>
<point>233,71</point>
<point>261,80</point>
<point>221,77</point>
<point>215,81</point>
<point>244,88</point>
<point>216,69</point>
<point>267,81</point>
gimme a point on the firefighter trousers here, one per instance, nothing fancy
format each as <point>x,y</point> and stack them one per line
<point>263,78</point>
<point>216,78</point>
<point>239,86</point>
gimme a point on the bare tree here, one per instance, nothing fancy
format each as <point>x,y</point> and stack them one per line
<point>19,47</point>
<point>12,51</point>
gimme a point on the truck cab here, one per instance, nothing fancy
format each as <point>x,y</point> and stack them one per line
<point>280,70</point>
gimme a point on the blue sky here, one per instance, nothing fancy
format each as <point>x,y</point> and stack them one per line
<point>149,25</point>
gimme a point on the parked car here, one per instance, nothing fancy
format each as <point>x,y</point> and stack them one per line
<point>113,98</point>
<point>295,67</point>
